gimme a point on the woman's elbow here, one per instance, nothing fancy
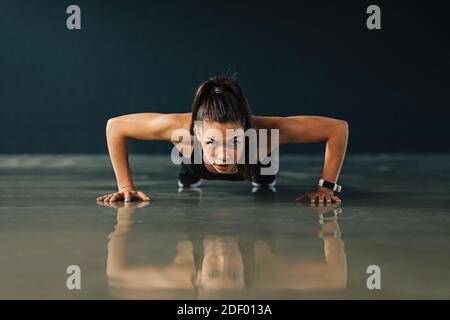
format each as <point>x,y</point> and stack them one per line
<point>339,132</point>
<point>110,123</point>
<point>343,127</point>
<point>113,126</point>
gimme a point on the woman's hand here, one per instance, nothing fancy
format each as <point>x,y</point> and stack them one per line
<point>321,196</point>
<point>125,194</point>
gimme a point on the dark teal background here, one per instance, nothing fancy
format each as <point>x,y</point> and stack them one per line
<point>59,87</point>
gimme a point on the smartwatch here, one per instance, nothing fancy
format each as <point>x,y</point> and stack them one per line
<point>329,185</point>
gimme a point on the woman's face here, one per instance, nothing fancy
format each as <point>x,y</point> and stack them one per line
<point>222,144</point>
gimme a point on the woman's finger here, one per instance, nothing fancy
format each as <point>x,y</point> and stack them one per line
<point>108,196</point>
<point>143,196</point>
<point>321,196</point>
<point>115,197</point>
<point>111,196</point>
<point>336,198</point>
<point>127,196</point>
<point>313,197</point>
<point>103,197</point>
<point>120,196</point>
<point>328,199</point>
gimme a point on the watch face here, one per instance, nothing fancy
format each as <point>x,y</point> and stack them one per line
<point>328,185</point>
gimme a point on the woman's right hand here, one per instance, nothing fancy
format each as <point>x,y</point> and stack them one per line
<point>124,195</point>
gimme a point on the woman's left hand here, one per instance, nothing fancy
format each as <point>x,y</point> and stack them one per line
<point>321,196</point>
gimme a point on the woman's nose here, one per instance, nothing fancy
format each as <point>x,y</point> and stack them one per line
<point>223,154</point>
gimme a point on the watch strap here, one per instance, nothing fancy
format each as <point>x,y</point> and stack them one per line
<point>329,185</point>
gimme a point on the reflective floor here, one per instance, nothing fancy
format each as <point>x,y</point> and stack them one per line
<point>225,240</point>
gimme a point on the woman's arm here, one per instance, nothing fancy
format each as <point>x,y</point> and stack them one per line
<point>312,129</point>
<point>142,126</point>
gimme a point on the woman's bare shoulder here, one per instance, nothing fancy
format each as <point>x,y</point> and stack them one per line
<point>179,120</point>
<point>266,122</point>
<point>179,128</point>
<point>164,125</point>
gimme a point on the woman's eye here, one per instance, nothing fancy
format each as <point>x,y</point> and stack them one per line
<point>235,143</point>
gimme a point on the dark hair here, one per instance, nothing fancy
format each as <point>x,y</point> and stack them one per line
<point>221,99</point>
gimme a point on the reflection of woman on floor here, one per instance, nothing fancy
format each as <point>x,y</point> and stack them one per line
<point>222,266</point>
<point>220,105</point>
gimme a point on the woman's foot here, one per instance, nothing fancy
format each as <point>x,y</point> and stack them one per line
<point>268,181</point>
<point>188,180</point>
<point>189,184</point>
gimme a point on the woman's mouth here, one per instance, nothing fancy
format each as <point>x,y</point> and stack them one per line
<point>222,166</point>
